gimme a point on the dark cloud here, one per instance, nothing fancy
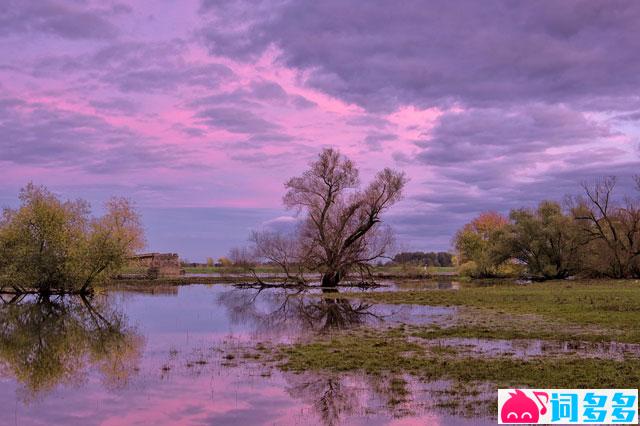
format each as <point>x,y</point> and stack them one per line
<point>300,102</point>
<point>270,138</point>
<point>235,98</point>
<point>43,135</point>
<point>375,140</point>
<point>238,28</point>
<point>272,93</point>
<point>36,134</point>
<point>267,90</point>
<point>442,52</point>
<point>120,106</point>
<point>478,135</point>
<point>369,120</point>
<point>160,78</point>
<point>633,116</point>
<point>66,19</point>
<point>234,120</point>
<point>263,157</point>
<point>239,111</point>
<point>191,131</point>
<point>138,67</point>
<point>456,198</point>
<point>255,95</point>
<point>253,147</point>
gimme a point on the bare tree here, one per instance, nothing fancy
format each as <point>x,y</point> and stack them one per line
<point>611,229</point>
<point>243,257</point>
<point>282,250</point>
<point>342,230</point>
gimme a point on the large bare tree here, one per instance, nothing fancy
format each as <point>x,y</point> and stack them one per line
<point>611,229</point>
<point>342,230</point>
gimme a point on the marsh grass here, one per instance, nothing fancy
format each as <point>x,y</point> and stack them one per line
<point>391,351</point>
<point>589,311</point>
<point>560,311</point>
<point>603,309</point>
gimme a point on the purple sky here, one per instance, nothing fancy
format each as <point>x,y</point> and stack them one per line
<point>199,110</point>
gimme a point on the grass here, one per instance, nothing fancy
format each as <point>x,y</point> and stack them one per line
<point>392,352</point>
<point>507,331</point>
<point>613,306</point>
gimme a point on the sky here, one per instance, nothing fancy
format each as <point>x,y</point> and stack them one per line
<point>200,110</point>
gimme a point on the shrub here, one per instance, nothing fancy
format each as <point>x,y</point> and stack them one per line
<point>477,242</point>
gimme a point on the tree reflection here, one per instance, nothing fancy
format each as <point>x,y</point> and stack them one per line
<point>280,311</point>
<point>49,341</point>
<point>332,312</point>
<point>335,398</point>
<point>328,395</point>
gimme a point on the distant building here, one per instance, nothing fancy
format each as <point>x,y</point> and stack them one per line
<point>158,264</point>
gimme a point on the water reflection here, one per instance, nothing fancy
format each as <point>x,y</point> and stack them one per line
<point>45,342</point>
<point>291,314</point>
<point>335,398</point>
<point>180,371</point>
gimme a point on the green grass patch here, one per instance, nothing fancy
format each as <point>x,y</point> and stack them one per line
<point>391,352</point>
<point>611,305</point>
<point>508,331</point>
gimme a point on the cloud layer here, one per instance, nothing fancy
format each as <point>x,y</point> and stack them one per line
<point>208,106</point>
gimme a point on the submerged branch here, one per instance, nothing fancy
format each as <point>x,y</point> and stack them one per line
<point>300,285</point>
<point>262,285</point>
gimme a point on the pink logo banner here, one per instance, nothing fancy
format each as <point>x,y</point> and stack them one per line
<point>568,406</point>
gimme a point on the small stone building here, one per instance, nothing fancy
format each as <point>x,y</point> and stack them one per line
<point>158,264</point>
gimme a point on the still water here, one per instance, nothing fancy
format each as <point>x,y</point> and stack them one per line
<point>161,357</point>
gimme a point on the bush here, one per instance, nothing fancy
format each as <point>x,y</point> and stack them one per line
<point>469,269</point>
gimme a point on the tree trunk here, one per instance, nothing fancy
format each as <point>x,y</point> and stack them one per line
<point>331,278</point>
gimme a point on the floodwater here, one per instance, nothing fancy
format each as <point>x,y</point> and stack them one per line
<point>161,357</point>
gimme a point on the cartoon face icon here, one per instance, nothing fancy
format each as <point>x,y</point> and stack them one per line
<point>519,408</point>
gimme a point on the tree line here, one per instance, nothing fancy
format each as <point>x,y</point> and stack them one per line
<point>594,234</point>
<point>441,258</point>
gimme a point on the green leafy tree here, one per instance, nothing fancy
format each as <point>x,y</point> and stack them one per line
<point>477,244</point>
<point>48,245</point>
<point>545,239</point>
